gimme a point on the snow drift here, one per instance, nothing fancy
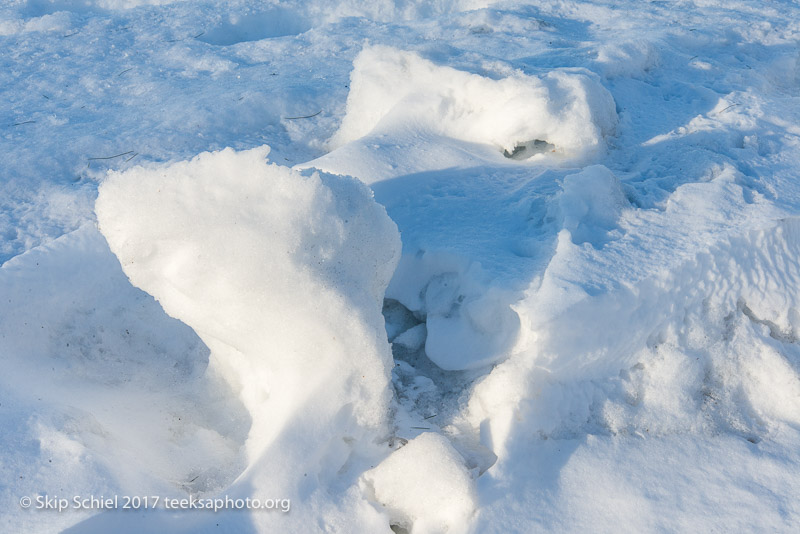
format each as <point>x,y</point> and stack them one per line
<point>697,336</point>
<point>101,392</point>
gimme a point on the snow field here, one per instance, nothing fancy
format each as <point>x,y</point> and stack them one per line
<point>590,314</point>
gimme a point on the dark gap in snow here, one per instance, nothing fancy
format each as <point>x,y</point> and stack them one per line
<point>529,149</point>
<point>399,319</point>
<point>407,333</point>
<point>775,331</point>
<point>431,395</point>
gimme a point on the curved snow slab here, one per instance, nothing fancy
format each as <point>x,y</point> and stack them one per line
<point>282,276</point>
<point>392,89</point>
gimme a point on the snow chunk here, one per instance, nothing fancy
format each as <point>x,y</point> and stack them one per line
<point>393,89</point>
<point>413,338</point>
<point>590,204</point>
<point>281,275</point>
<point>468,322</point>
<point>425,486</point>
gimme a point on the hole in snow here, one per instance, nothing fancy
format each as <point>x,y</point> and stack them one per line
<point>432,398</point>
<point>425,389</point>
<point>529,149</point>
<point>398,319</point>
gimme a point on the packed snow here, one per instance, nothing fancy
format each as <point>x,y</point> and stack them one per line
<point>400,266</point>
<point>428,461</point>
<point>392,90</point>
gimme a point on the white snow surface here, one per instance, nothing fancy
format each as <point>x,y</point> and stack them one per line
<point>462,266</point>
<point>429,461</point>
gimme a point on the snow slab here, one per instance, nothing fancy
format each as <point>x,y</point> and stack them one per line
<point>429,461</point>
<point>282,276</point>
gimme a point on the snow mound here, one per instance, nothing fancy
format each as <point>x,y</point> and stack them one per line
<point>697,365</point>
<point>282,276</point>
<point>425,486</point>
<point>704,342</point>
<point>392,89</point>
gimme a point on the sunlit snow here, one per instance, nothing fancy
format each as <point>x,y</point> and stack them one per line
<point>410,266</point>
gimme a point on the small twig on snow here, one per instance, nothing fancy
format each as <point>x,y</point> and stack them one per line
<point>184,38</point>
<point>303,117</point>
<point>114,156</point>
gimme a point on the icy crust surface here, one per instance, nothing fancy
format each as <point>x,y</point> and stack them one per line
<point>282,277</point>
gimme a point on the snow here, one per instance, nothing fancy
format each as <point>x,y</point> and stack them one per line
<point>590,204</point>
<point>394,90</point>
<point>101,391</point>
<point>406,265</point>
<point>425,486</point>
<point>282,277</point>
